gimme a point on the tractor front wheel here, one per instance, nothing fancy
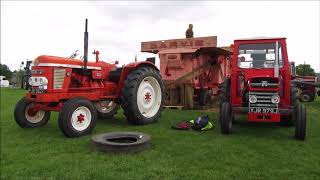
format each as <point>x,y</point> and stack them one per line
<point>77,117</point>
<point>27,117</point>
<point>143,96</point>
<point>300,122</point>
<point>226,118</point>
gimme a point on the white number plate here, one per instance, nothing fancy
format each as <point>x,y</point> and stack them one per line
<point>263,110</point>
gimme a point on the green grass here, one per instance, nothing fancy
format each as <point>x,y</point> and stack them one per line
<point>254,151</point>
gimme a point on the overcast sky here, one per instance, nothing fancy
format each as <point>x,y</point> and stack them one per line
<point>116,29</point>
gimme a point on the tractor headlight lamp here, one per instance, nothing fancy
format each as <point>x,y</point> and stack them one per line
<point>275,99</point>
<point>40,81</point>
<point>30,81</point>
<point>253,99</point>
<point>37,81</point>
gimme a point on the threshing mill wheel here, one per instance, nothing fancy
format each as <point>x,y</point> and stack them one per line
<point>143,96</point>
<point>300,122</point>
<point>106,109</point>
<point>204,97</point>
<point>77,117</point>
<point>26,116</point>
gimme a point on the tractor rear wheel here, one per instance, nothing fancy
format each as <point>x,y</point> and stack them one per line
<point>77,117</point>
<point>106,109</point>
<point>26,117</point>
<point>301,122</point>
<point>143,96</point>
<point>226,118</point>
<point>288,120</point>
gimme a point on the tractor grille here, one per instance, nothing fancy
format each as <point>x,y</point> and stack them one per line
<point>263,104</point>
<point>264,83</point>
<point>58,77</point>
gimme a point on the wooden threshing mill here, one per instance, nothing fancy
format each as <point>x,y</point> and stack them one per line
<point>191,69</point>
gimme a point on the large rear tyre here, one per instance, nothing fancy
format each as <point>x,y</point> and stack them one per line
<point>77,117</point>
<point>226,118</point>
<point>26,117</point>
<point>301,122</point>
<point>106,109</point>
<point>288,120</point>
<point>224,94</point>
<point>143,96</point>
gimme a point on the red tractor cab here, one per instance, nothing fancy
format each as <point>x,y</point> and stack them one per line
<point>260,86</point>
<point>83,91</point>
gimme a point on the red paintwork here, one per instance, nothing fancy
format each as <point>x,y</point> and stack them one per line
<point>80,118</point>
<point>312,79</point>
<point>76,83</point>
<point>255,117</point>
<point>248,74</point>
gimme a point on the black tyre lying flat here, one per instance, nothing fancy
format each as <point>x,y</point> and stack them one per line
<point>301,122</point>
<point>25,119</point>
<point>136,108</point>
<point>121,142</point>
<point>77,117</point>
<point>226,118</point>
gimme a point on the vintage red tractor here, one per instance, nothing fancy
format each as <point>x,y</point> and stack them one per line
<point>82,91</point>
<point>260,86</point>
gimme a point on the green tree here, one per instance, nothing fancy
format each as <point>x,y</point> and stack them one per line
<point>304,70</point>
<point>5,71</point>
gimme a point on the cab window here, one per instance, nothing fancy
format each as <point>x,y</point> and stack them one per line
<point>259,55</point>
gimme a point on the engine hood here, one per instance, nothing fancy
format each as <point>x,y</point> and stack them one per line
<point>55,61</point>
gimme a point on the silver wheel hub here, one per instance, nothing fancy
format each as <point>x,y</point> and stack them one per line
<point>149,96</point>
<point>81,118</point>
<point>105,106</point>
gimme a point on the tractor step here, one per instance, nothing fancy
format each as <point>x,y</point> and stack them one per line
<point>173,107</point>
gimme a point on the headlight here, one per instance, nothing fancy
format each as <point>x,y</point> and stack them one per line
<point>37,81</point>
<point>253,99</point>
<point>275,99</point>
<point>41,81</point>
<point>30,81</point>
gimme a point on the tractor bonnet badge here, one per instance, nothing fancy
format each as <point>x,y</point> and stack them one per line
<point>264,83</point>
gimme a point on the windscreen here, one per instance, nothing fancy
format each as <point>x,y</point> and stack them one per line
<point>258,55</point>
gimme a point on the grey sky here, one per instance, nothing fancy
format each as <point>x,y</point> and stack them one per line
<point>30,29</point>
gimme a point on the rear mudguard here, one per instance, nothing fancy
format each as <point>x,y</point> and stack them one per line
<point>130,67</point>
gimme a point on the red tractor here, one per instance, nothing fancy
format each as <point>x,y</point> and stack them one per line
<point>260,86</point>
<point>82,91</point>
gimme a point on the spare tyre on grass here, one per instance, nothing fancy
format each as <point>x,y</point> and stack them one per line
<point>121,142</point>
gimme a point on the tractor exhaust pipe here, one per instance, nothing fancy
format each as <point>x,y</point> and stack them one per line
<point>276,63</point>
<point>85,52</point>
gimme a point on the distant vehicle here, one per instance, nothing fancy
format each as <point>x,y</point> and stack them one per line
<point>27,74</point>
<point>4,81</point>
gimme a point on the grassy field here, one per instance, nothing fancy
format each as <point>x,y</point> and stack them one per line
<point>254,151</point>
